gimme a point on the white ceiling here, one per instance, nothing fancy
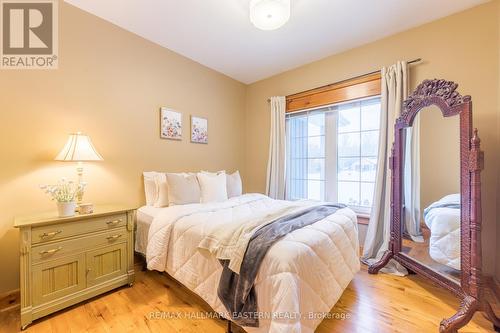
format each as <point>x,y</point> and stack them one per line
<point>219,35</point>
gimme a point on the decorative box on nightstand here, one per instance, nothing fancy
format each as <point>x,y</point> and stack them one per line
<point>67,260</point>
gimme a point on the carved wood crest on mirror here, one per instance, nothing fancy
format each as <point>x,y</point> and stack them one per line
<point>436,197</point>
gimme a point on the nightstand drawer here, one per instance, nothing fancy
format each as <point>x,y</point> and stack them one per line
<point>63,230</point>
<point>54,250</point>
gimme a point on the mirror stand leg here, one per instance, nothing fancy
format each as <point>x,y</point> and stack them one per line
<point>491,316</point>
<point>468,306</point>
<point>374,268</point>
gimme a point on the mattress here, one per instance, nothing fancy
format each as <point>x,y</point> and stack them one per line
<point>443,220</point>
<point>144,218</point>
<point>300,279</point>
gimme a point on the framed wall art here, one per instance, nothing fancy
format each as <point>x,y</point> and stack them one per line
<point>199,130</point>
<point>170,124</point>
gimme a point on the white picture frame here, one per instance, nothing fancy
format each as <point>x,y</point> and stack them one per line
<point>170,124</point>
<point>199,130</point>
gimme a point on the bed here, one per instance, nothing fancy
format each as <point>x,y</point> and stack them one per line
<point>300,279</point>
<point>443,220</point>
<point>144,218</point>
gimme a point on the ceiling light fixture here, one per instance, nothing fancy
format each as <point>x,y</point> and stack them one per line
<point>269,14</point>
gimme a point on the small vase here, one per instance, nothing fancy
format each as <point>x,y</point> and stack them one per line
<point>66,209</point>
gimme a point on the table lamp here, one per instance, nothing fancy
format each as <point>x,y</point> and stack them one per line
<point>79,149</point>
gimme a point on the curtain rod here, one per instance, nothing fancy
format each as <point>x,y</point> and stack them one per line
<point>360,76</point>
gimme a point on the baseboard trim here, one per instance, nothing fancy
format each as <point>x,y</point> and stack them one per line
<point>10,300</point>
<point>494,285</point>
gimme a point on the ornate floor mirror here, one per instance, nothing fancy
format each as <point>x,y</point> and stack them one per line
<point>436,197</point>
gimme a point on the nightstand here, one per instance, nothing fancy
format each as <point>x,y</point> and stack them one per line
<point>67,260</point>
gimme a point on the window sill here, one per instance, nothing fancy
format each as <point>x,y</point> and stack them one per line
<point>362,214</point>
<point>363,218</point>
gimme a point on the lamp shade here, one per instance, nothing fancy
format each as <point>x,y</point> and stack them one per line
<point>78,148</point>
<point>269,14</point>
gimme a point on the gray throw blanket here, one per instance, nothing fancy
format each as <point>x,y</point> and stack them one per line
<point>237,291</point>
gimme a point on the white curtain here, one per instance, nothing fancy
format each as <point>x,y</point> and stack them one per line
<point>275,187</point>
<point>394,92</point>
<point>411,179</point>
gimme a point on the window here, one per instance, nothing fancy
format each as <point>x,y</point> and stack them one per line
<point>332,153</point>
<point>306,156</point>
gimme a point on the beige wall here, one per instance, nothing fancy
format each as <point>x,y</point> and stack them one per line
<point>110,84</point>
<point>463,48</point>
<point>439,155</point>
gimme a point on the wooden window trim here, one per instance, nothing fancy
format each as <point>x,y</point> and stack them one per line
<point>363,220</point>
<point>361,87</point>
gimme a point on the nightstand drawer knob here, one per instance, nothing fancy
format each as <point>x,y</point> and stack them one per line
<point>115,222</point>
<point>51,251</point>
<point>110,238</point>
<point>50,234</point>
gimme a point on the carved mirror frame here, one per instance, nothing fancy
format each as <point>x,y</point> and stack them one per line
<point>444,95</point>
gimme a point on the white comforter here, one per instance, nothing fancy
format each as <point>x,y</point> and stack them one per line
<point>300,279</point>
<point>444,224</point>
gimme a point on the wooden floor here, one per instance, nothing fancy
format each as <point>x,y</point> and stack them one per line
<point>420,252</point>
<point>381,303</point>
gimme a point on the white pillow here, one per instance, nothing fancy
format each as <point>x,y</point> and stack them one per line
<point>150,187</point>
<point>213,187</point>
<point>162,186</point>
<point>183,188</point>
<point>213,173</point>
<point>233,185</point>
<point>156,189</point>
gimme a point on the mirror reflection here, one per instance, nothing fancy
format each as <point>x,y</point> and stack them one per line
<point>431,192</point>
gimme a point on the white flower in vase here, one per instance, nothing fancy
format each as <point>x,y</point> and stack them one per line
<point>65,194</point>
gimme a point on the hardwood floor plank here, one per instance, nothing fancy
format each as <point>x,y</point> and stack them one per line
<point>371,303</point>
